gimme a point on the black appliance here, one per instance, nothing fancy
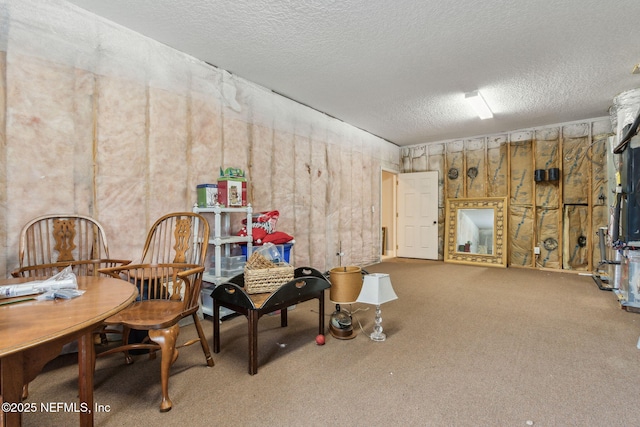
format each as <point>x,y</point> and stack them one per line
<point>630,180</point>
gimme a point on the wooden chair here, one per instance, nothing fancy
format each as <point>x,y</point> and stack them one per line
<point>50,243</point>
<point>168,281</point>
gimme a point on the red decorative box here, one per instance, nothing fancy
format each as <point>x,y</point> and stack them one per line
<point>232,192</point>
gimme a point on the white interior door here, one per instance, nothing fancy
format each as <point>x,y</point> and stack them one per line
<point>418,215</point>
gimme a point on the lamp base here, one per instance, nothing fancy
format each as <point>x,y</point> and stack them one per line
<point>342,334</point>
<point>378,336</point>
<point>340,326</point>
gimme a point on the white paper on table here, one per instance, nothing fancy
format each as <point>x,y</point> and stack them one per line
<point>65,279</point>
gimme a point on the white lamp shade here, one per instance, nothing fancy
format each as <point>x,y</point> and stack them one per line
<point>376,289</point>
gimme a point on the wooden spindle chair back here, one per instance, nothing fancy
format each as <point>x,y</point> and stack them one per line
<point>52,242</point>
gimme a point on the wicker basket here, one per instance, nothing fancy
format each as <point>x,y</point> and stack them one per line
<point>262,275</point>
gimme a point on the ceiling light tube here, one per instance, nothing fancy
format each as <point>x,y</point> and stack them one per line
<point>479,104</point>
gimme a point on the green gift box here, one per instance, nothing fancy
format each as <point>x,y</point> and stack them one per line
<point>207,195</point>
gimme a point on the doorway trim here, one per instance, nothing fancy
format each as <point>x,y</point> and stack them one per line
<point>388,210</point>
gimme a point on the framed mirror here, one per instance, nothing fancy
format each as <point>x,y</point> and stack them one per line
<point>475,231</point>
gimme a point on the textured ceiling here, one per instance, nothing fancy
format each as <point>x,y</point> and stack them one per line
<point>399,69</point>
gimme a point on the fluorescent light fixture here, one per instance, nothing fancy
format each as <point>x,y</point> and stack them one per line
<point>479,104</point>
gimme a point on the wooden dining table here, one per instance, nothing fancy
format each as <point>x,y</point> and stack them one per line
<point>33,332</point>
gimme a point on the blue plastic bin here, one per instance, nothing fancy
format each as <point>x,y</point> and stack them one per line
<point>284,249</point>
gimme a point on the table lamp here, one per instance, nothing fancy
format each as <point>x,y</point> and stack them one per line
<point>376,290</point>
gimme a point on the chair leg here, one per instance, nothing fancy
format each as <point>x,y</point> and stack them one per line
<point>166,339</point>
<point>125,339</point>
<point>203,340</point>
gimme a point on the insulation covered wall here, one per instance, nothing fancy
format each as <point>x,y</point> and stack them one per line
<point>521,173</point>
<point>437,162</point>
<point>546,157</point>
<point>599,193</point>
<point>521,218</point>
<point>455,170</point>
<point>475,168</point>
<point>547,153</point>
<point>498,166</point>
<point>547,238</point>
<point>506,166</point>
<point>520,235</point>
<point>3,158</point>
<point>575,165</point>
<point>576,232</point>
<point>103,121</point>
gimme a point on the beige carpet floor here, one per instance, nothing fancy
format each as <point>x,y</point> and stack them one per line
<point>466,346</point>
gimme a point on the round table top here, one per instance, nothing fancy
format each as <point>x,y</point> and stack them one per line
<point>30,323</point>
